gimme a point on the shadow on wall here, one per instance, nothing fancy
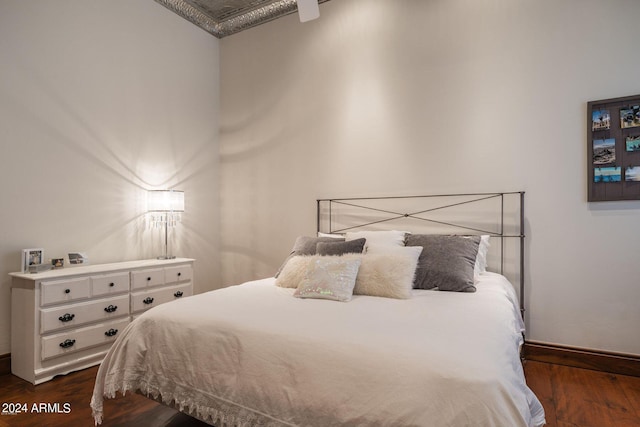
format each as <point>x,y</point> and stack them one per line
<point>242,264</point>
<point>104,169</point>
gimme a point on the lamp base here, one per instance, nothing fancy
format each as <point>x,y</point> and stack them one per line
<point>166,257</point>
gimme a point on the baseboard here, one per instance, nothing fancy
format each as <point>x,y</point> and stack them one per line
<point>615,363</point>
<point>5,364</point>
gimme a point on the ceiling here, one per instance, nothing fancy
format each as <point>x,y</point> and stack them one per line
<point>225,17</point>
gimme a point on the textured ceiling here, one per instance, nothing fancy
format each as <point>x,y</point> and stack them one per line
<point>225,17</point>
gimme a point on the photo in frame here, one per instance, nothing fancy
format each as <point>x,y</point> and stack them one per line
<point>630,117</point>
<point>609,174</point>
<point>632,174</point>
<point>31,257</point>
<point>78,258</point>
<point>633,143</point>
<point>601,120</point>
<point>604,151</point>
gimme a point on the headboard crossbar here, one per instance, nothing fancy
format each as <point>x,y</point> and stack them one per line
<point>413,215</point>
<point>464,214</point>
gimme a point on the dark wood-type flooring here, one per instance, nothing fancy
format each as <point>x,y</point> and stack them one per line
<point>571,397</point>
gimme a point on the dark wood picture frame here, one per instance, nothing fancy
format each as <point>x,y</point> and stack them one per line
<point>616,119</point>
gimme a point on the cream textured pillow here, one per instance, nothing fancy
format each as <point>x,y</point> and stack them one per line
<point>329,277</point>
<point>387,274</point>
<point>294,271</point>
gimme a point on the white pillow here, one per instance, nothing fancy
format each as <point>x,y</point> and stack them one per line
<point>377,238</point>
<point>333,236</point>
<point>402,250</point>
<point>481,258</point>
<point>388,273</point>
<point>329,277</point>
<point>294,271</point>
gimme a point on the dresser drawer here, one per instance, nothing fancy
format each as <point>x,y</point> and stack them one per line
<point>144,300</point>
<point>81,338</point>
<point>57,291</point>
<point>74,315</point>
<point>181,273</point>
<point>109,284</point>
<point>147,278</point>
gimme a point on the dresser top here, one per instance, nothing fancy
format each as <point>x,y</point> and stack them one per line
<point>100,268</point>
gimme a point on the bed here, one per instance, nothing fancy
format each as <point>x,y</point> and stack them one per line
<point>270,353</point>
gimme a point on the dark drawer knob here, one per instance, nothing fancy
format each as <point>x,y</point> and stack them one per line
<point>66,317</point>
<point>66,291</point>
<point>178,294</point>
<point>111,332</point>
<point>179,274</point>
<point>67,343</point>
<point>111,308</point>
<point>111,285</point>
<point>148,300</point>
<point>148,279</point>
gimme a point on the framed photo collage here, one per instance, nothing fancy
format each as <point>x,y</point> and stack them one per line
<point>613,147</point>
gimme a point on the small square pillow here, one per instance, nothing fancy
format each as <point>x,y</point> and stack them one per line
<point>294,271</point>
<point>388,274</point>
<point>330,278</point>
<point>340,248</point>
<point>446,262</point>
<point>378,238</point>
<point>306,245</point>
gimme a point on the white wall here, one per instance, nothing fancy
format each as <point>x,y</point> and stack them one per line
<point>383,97</point>
<point>99,101</point>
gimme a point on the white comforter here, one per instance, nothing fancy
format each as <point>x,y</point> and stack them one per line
<point>255,355</point>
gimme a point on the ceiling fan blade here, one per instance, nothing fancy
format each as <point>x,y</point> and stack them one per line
<point>308,10</point>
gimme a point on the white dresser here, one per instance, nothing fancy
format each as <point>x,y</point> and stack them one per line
<point>65,320</point>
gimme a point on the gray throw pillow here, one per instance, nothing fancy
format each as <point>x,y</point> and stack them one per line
<point>306,245</point>
<point>340,248</point>
<point>446,262</point>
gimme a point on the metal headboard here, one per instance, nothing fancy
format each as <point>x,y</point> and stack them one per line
<point>385,212</point>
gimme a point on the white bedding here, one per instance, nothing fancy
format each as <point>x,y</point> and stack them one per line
<point>254,355</point>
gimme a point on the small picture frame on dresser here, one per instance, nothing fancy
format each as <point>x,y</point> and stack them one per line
<point>31,257</point>
<point>78,258</point>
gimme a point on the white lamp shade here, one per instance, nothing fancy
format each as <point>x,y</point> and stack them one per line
<point>165,201</point>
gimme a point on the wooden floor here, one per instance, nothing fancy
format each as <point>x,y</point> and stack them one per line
<point>571,397</point>
<point>574,397</point>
